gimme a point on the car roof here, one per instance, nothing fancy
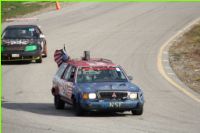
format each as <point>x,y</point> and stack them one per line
<point>21,26</point>
<point>93,62</point>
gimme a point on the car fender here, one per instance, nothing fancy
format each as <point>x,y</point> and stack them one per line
<point>54,91</point>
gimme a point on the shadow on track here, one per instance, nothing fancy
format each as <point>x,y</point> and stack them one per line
<point>15,62</point>
<point>48,109</point>
<point>38,108</point>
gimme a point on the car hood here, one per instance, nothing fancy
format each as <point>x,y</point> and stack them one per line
<point>108,86</point>
<point>20,41</point>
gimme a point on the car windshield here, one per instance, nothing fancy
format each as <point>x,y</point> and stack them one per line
<point>20,33</point>
<point>100,74</point>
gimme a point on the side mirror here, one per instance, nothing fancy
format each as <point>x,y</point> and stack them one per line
<point>42,36</point>
<point>130,77</point>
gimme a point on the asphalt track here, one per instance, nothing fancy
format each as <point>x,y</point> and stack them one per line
<point>130,34</point>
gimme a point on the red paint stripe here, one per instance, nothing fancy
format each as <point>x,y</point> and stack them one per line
<point>57,54</point>
<point>58,59</point>
<point>69,92</point>
<point>59,62</point>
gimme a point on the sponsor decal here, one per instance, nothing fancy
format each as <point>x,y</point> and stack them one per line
<point>13,42</point>
<point>98,68</point>
<point>31,29</point>
<point>118,69</point>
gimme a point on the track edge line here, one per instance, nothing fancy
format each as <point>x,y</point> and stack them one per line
<point>160,63</point>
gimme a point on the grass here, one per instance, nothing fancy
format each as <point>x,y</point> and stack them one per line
<point>185,58</point>
<point>17,9</point>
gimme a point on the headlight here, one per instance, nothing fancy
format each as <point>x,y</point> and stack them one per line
<point>31,47</point>
<point>133,95</point>
<point>92,96</point>
<point>87,96</point>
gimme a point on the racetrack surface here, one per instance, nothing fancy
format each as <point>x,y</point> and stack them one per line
<point>130,34</point>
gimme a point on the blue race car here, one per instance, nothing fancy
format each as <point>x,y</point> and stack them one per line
<point>91,84</point>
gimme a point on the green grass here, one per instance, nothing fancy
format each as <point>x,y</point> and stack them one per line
<point>17,9</point>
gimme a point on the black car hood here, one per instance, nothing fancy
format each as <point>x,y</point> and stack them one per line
<point>20,41</point>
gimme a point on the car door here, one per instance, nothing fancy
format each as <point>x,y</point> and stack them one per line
<point>62,82</point>
<point>69,79</point>
<point>58,75</point>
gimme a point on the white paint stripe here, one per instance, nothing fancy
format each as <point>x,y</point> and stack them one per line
<point>160,63</point>
<point>167,67</point>
<point>21,19</point>
<point>170,73</point>
<point>165,52</point>
<point>165,60</point>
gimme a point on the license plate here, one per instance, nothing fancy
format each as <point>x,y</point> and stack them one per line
<point>15,55</point>
<point>115,104</point>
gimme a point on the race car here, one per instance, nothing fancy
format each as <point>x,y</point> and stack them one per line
<point>23,42</point>
<point>95,84</point>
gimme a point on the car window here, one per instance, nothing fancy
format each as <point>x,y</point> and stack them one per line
<point>61,70</point>
<point>38,30</point>
<point>100,74</point>
<point>64,76</point>
<point>70,74</point>
<point>21,33</point>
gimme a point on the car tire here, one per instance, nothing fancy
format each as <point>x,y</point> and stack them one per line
<point>138,111</point>
<point>45,51</point>
<point>39,60</point>
<point>78,109</point>
<point>59,103</point>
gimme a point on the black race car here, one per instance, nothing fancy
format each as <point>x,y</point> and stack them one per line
<point>23,42</point>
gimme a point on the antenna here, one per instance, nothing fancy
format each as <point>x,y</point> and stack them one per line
<point>64,47</point>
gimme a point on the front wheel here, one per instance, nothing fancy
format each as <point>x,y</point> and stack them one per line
<point>78,109</point>
<point>138,111</point>
<point>59,103</point>
<point>39,60</point>
<point>45,51</point>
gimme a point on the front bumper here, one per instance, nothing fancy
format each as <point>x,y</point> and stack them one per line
<point>111,105</point>
<point>20,55</point>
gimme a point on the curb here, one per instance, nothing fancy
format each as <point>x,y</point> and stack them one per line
<point>163,52</point>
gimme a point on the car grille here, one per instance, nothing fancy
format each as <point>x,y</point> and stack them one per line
<point>112,95</point>
<point>14,48</point>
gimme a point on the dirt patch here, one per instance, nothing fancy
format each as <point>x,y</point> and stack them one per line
<point>184,57</point>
